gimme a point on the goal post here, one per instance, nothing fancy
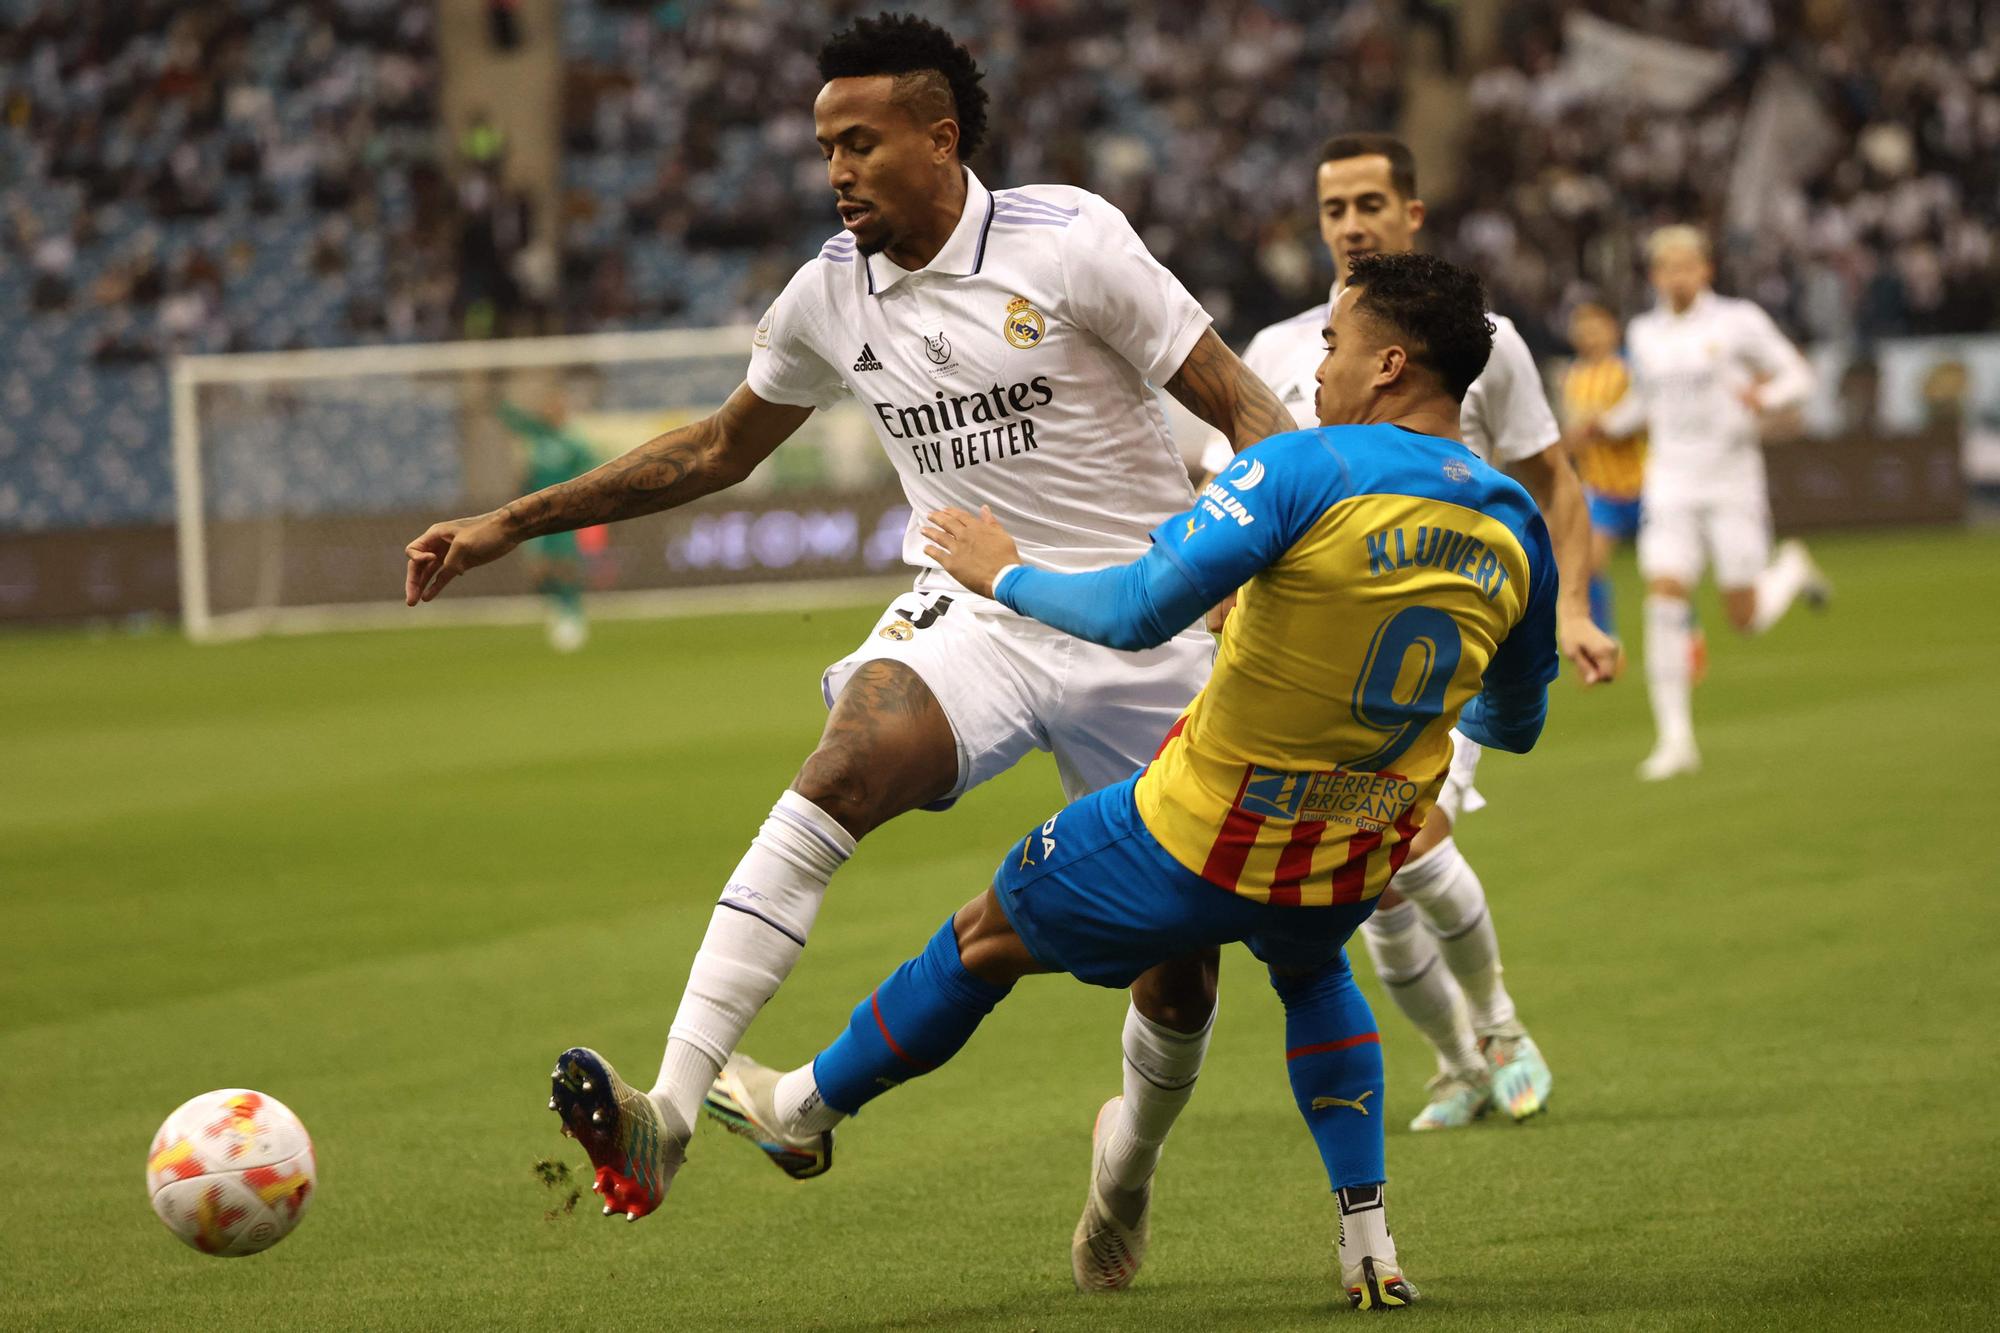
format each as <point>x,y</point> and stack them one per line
<point>299,477</point>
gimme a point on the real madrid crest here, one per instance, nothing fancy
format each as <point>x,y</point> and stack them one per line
<point>900,630</point>
<point>1024,325</point>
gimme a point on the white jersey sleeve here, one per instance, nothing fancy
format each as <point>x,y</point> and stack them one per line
<point>1788,375</point>
<point>1118,291</point>
<point>1506,415</point>
<point>784,367</point>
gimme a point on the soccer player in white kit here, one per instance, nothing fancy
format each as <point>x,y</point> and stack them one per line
<point>1704,369</point>
<point>1432,939</point>
<point>1001,342</point>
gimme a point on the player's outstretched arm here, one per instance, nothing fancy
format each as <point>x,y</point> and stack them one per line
<point>1129,607</point>
<point>667,471</point>
<point>1195,558</point>
<point>1550,477</point>
<point>1215,385</point>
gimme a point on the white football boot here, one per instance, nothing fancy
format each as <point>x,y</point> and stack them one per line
<point>1457,1098</point>
<point>743,1101</point>
<point>1368,1267</point>
<point>1521,1078</point>
<point>1116,1226</point>
<point>634,1147</point>
<point>1671,759</point>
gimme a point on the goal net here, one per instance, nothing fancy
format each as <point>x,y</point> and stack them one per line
<point>300,476</point>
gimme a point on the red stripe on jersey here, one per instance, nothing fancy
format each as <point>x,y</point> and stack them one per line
<point>1231,849</point>
<point>1295,862</point>
<point>1407,829</point>
<point>1173,731</point>
<point>1350,877</point>
<point>1344,1044</point>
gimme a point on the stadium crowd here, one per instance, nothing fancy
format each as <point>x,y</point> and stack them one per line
<point>1891,229</point>
<point>246,174</point>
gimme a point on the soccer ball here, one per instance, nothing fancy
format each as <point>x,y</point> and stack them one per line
<point>231,1172</point>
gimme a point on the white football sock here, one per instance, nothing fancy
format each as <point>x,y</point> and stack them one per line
<point>1668,667</point>
<point>801,1110</point>
<point>1446,889</point>
<point>1161,1066</point>
<point>1407,960</point>
<point>1779,586</point>
<point>757,933</point>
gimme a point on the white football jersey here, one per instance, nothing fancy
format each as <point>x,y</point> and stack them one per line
<point>1010,371</point>
<point>1689,372</point>
<point>1505,418</point>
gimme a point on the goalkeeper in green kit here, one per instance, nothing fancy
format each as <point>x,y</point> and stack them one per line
<point>554,455</point>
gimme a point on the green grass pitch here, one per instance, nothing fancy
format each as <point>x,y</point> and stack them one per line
<point>386,877</point>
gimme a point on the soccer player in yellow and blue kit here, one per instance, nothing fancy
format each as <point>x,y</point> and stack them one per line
<point>1613,471</point>
<point>1393,584</point>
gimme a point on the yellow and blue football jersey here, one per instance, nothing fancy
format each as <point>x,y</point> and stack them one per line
<point>1389,575</point>
<point>1615,469</point>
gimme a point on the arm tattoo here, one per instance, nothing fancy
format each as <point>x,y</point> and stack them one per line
<point>682,465</point>
<point>669,470</point>
<point>1215,385</point>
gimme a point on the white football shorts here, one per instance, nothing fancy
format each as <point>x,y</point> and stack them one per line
<point>1458,796</point>
<point>1677,538</point>
<point>1009,684</point>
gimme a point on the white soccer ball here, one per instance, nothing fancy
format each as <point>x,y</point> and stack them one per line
<point>231,1172</point>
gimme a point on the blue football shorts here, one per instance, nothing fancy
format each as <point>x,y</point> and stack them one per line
<point>1092,893</point>
<point>1614,517</point>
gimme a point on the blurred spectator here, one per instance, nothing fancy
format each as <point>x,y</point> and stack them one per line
<point>503,23</point>
<point>1889,230</point>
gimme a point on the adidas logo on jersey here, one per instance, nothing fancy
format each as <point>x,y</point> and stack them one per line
<point>867,361</point>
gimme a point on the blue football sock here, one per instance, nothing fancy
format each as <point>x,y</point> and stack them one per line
<point>1334,1058</point>
<point>911,1024</point>
<point>1600,603</point>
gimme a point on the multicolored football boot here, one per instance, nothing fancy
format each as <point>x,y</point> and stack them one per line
<point>1457,1098</point>
<point>1116,1226</point>
<point>743,1101</point>
<point>1368,1267</point>
<point>636,1152</point>
<point>1521,1077</point>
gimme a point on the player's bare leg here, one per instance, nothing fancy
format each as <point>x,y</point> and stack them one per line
<point>1165,1041</point>
<point>1669,680</point>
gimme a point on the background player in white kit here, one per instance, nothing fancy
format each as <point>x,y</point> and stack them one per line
<point>1435,910</point>
<point>1704,369</point>
<point>1002,343</point>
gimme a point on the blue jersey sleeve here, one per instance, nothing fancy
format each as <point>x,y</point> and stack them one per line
<point>1242,521</point>
<point>1254,510</point>
<point>1129,607</point>
<point>1513,700</point>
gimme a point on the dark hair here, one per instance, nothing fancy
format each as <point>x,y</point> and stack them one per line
<point>1402,162</point>
<point>1438,306</point>
<point>903,44</point>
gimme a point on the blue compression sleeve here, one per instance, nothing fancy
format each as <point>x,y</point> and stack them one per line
<point>1135,606</point>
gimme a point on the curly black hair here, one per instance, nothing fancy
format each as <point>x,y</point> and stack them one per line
<point>904,44</point>
<point>1438,306</point>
